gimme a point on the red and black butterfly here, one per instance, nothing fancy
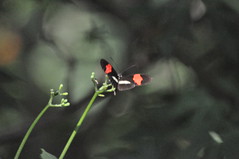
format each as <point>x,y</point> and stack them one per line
<point>121,82</point>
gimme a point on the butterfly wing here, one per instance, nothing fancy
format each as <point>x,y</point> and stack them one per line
<point>130,81</point>
<point>110,71</point>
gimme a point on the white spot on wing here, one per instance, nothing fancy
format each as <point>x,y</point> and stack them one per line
<point>124,82</point>
<point>115,79</point>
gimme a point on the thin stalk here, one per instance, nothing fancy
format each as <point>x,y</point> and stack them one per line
<point>78,125</point>
<point>29,131</point>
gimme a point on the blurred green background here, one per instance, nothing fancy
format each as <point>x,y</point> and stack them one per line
<point>189,47</point>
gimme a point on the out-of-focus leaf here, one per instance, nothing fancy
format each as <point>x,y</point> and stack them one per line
<point>73,28</point>
<point>22,11</point>
<point>170,74</point>
<point>216,137</point>
<point>234,4</point>
<point>46,155</point>
<point>197,9</point>
<point>10,46</point>
<point>46,68</point>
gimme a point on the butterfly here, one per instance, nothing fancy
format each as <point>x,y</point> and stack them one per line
<point>121,82</point>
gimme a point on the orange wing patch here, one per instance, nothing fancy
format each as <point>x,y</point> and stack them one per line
<point>137,78</point>
<point>108,68</point>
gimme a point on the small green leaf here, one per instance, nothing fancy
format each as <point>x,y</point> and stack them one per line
<point>66,104</point>
<point>64,94</point>
<point>101,95</point>
<point>46,155</point>
<point>60,87</point>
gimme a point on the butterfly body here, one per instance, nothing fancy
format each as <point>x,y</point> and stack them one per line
<point>121,82</point>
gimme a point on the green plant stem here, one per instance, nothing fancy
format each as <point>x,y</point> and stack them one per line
<point>29,131</point>
<point>79,124</point>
